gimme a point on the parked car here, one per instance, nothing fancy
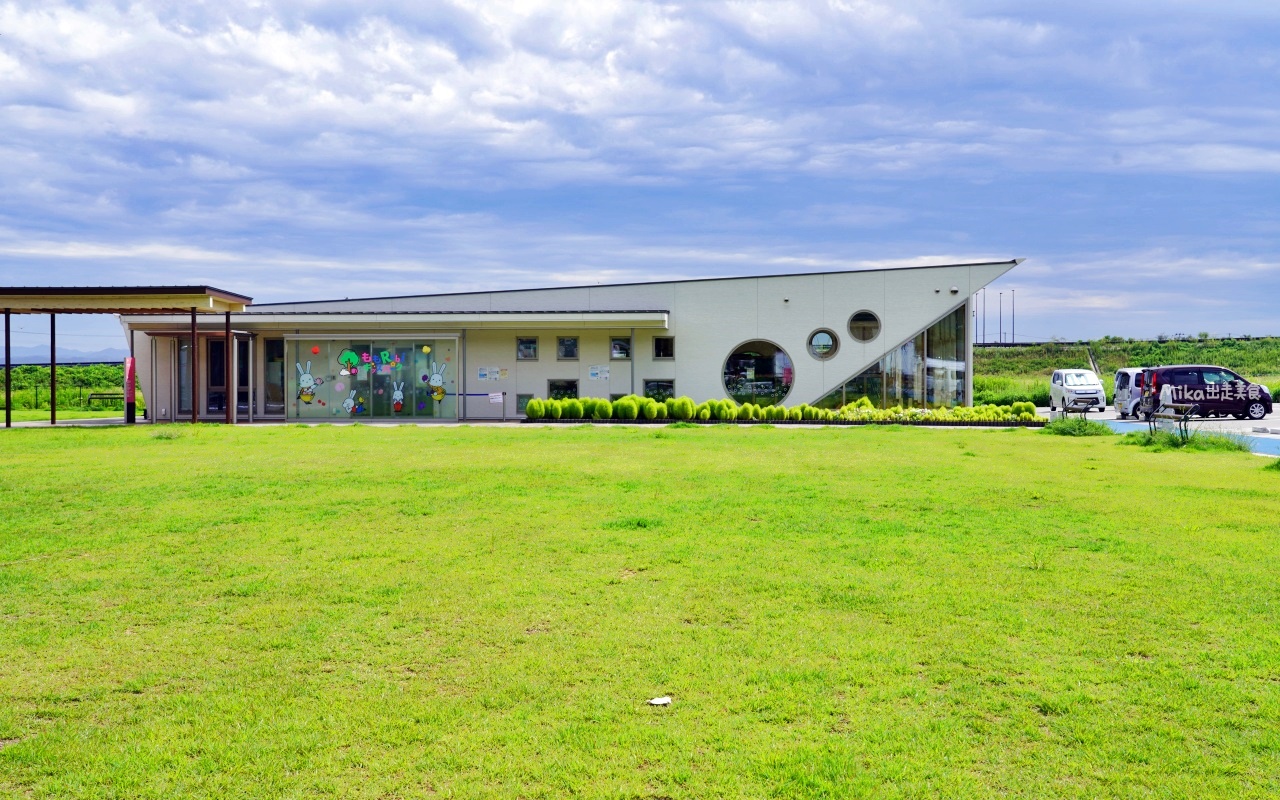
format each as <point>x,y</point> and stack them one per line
<point>1076,387</point>
<point>1128,391</point>
<point>1216,390</point>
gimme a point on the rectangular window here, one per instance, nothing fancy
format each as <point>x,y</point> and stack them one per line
<point>527,348</point>
<point>562,389</point>
<point>664,347</point>
<point>660,390</point>
<point>567,348</point>
<point>522,400</point>
<point>620,348</point>
<point>613,398</point>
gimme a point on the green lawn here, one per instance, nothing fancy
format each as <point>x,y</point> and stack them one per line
<point>409,612</point>
<point>42,415</point>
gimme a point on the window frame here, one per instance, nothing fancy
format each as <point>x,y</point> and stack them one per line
<point>830,354</point>
<point>626,339</point>
<point>644,388</point>
<point>533,339</point>
<point>577,348</point>
<point>875,316</point>
<point>577,387</point>
<point>670,339</point>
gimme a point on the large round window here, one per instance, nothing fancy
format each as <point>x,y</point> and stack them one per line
<point>864,326</point>
<point>758,372</point>
<point>823,344</point>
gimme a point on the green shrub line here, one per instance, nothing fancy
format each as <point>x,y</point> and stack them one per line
<point>633,409</point>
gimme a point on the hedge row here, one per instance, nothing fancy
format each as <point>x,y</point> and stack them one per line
<point>643,409</point>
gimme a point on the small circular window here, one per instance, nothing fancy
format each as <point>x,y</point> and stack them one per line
<point>758,372</point>
<point>864,326</point>
<point>823,344</point>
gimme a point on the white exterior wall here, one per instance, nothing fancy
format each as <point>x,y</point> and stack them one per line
<point>708,320</point>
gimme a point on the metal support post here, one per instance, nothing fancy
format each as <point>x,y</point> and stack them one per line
<point>195,374</point>
<point>53,369</point>
<point>229,380</point>
<point>8,367</point>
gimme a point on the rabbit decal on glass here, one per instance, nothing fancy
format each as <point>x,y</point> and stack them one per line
<point>353,404</point>
<point>436,382</point>
<point>397,396</point>
<point>307,383</point>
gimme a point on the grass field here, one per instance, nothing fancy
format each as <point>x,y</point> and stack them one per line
<point>42,415</point>
<point>405,612</point>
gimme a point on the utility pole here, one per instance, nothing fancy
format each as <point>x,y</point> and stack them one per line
<point>1013,312</point>
<point>1002,318</point>
<point>984,315</point>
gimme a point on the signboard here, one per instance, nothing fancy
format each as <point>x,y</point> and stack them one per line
<point>598,372</point>
<point>491,374</point>
<point>496,397</point>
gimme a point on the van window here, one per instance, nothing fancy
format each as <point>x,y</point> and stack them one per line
<point>1218,376</point>
<point>1184,377</point>
<point>1080,379</point>
<point>1057,378</point>
<point>1122,381</point>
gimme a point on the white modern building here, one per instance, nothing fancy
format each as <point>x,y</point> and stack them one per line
<point>899,336</point>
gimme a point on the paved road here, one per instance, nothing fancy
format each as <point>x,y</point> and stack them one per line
<point>1221,425</point>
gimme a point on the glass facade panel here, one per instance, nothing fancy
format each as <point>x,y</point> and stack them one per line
<point>945,361</point>
<point>273,377</point>
<point>388,379</point>
<point>184,376</point>
<point>758,372</point>
<point>566,348</point>
<point>928,370</point>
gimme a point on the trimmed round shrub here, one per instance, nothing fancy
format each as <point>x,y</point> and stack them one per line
<point>744,412</point>
<point>795,415</point>
<point>603,409</point>
<point>704,414</point>
<point>651,410</point>
<point>589,407</point>
<point>680,408</point>
<point>555,409</point>
<point>535,409</point>
<point>626,409</point>
<point>571,408</point>
<point>660,410</point>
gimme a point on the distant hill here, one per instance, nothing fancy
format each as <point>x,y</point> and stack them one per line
<point>40,355</point>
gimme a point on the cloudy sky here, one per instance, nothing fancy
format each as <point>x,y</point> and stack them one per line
<point>1130,151</point>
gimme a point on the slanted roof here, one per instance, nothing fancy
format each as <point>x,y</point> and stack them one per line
<point>120,300</point>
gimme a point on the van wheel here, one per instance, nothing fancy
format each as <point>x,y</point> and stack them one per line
<point>1256,411</point>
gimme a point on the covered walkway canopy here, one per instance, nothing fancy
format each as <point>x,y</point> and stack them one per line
<point>54,300</point>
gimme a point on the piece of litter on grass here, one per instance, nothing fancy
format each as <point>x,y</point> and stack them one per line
<point>660,701</point>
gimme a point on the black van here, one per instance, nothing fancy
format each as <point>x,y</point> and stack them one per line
<point>1216,390</point>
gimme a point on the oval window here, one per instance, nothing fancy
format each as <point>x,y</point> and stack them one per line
<point>864,326</point>
<point>823,344</point>
<point>758,372</point>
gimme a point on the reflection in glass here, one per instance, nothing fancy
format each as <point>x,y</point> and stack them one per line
<point>928,370</point>
<point>273,376</point>
<point>823,344</point>
<point>758,372</point>
<point>864,326</point>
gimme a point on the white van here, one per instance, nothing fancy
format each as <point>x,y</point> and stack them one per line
<point>1128,391</point>
<point>1076,388</point>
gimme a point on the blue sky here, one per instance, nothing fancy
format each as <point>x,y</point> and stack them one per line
<point>1130,151</point>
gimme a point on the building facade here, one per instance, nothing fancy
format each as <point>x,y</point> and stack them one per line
<point>899,336</point>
